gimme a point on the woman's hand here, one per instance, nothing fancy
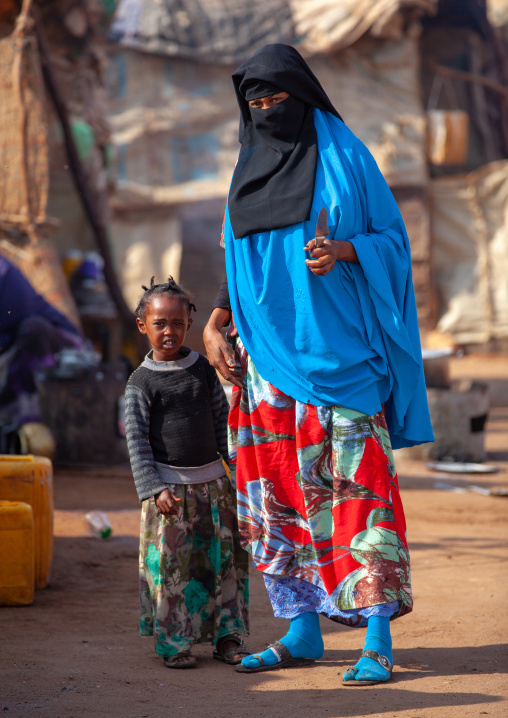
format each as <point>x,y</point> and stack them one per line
<point>323,258</point>
<point>220,354</point>
<point>166,502</point>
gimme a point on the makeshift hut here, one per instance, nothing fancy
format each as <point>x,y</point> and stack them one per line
<point>465,70</point>
<point>54,137</point>
<point>24,157</point>
<point>54,198</point>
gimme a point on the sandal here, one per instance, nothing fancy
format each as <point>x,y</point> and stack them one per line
<point>174,662</point>
<point>285,660</point>
<point>382,660</point>
<point>232,655</point>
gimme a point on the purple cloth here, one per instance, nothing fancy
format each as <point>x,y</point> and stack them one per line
<point>20,301</point>
<point>35,344</point>
<point>291,596</point>
<point>31,333</point>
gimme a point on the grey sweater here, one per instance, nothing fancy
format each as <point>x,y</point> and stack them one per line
<point>175,413</point>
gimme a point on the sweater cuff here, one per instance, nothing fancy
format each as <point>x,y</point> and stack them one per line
<point>150,489</point>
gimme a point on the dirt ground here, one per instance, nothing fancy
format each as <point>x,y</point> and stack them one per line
<point>76,651</point>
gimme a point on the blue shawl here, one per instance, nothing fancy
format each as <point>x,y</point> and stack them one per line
<point>349,338</point>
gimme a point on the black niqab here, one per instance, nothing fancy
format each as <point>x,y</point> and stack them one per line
<point>273,182</point>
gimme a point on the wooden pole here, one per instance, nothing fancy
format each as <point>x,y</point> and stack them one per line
<point>81,182</point>
<point>468,77</point>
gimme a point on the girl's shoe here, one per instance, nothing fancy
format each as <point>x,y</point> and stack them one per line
<point>232,655</point>
<point>180,660</point>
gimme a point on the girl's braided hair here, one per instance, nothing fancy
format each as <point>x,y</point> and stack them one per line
<point>170,287</point>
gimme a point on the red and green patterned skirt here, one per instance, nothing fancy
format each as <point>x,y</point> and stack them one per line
<point>319,506</point>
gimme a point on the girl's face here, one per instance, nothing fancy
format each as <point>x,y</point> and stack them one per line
<point>166,323</point>
<point>263,103</point>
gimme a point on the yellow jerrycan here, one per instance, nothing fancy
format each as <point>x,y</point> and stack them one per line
<point>16,554</point>
<point>29,479</point>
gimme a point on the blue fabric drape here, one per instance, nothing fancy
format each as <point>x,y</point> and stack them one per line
<point>349,338</point>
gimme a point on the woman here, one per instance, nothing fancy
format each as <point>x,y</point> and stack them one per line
<point>331,370</point>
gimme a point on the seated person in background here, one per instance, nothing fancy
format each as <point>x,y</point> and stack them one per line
<point>31,333</point>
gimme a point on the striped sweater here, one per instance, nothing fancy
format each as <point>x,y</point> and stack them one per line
<point>175,413</point>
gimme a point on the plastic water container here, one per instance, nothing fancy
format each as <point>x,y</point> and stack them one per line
<point>29,479</point>
<point>16,554</point>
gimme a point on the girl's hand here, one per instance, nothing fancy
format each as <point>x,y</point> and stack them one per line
<point>166,502</point>
<point>323,258</point>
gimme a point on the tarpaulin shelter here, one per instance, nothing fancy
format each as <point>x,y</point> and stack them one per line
<point>468,203</point>
<point>24,157</point>
<point>54,143</point>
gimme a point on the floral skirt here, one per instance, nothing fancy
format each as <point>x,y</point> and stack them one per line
<point>318,504</point>
<point>193,573</point>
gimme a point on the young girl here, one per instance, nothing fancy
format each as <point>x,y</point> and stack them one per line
<point>193,573</point>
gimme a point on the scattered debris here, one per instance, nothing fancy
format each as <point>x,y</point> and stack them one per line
<point>476,489</point>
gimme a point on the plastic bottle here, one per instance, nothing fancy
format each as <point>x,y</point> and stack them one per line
<point>99,524</point>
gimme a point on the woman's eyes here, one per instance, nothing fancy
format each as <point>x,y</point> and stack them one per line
<point>273,101</point>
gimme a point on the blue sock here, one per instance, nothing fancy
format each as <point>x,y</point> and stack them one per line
<point>303,640</point>
<point>378,639</point>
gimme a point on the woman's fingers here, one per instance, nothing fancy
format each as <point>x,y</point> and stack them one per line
<point>322,258</point>
<point>325,251</point>
<point>321,272</point>
<point>321,266</point>
<point>226,365</point>
<point>311,246</point>
<point>220,355</point>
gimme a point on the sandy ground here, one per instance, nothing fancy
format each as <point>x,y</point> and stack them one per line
<point>76,651</point>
